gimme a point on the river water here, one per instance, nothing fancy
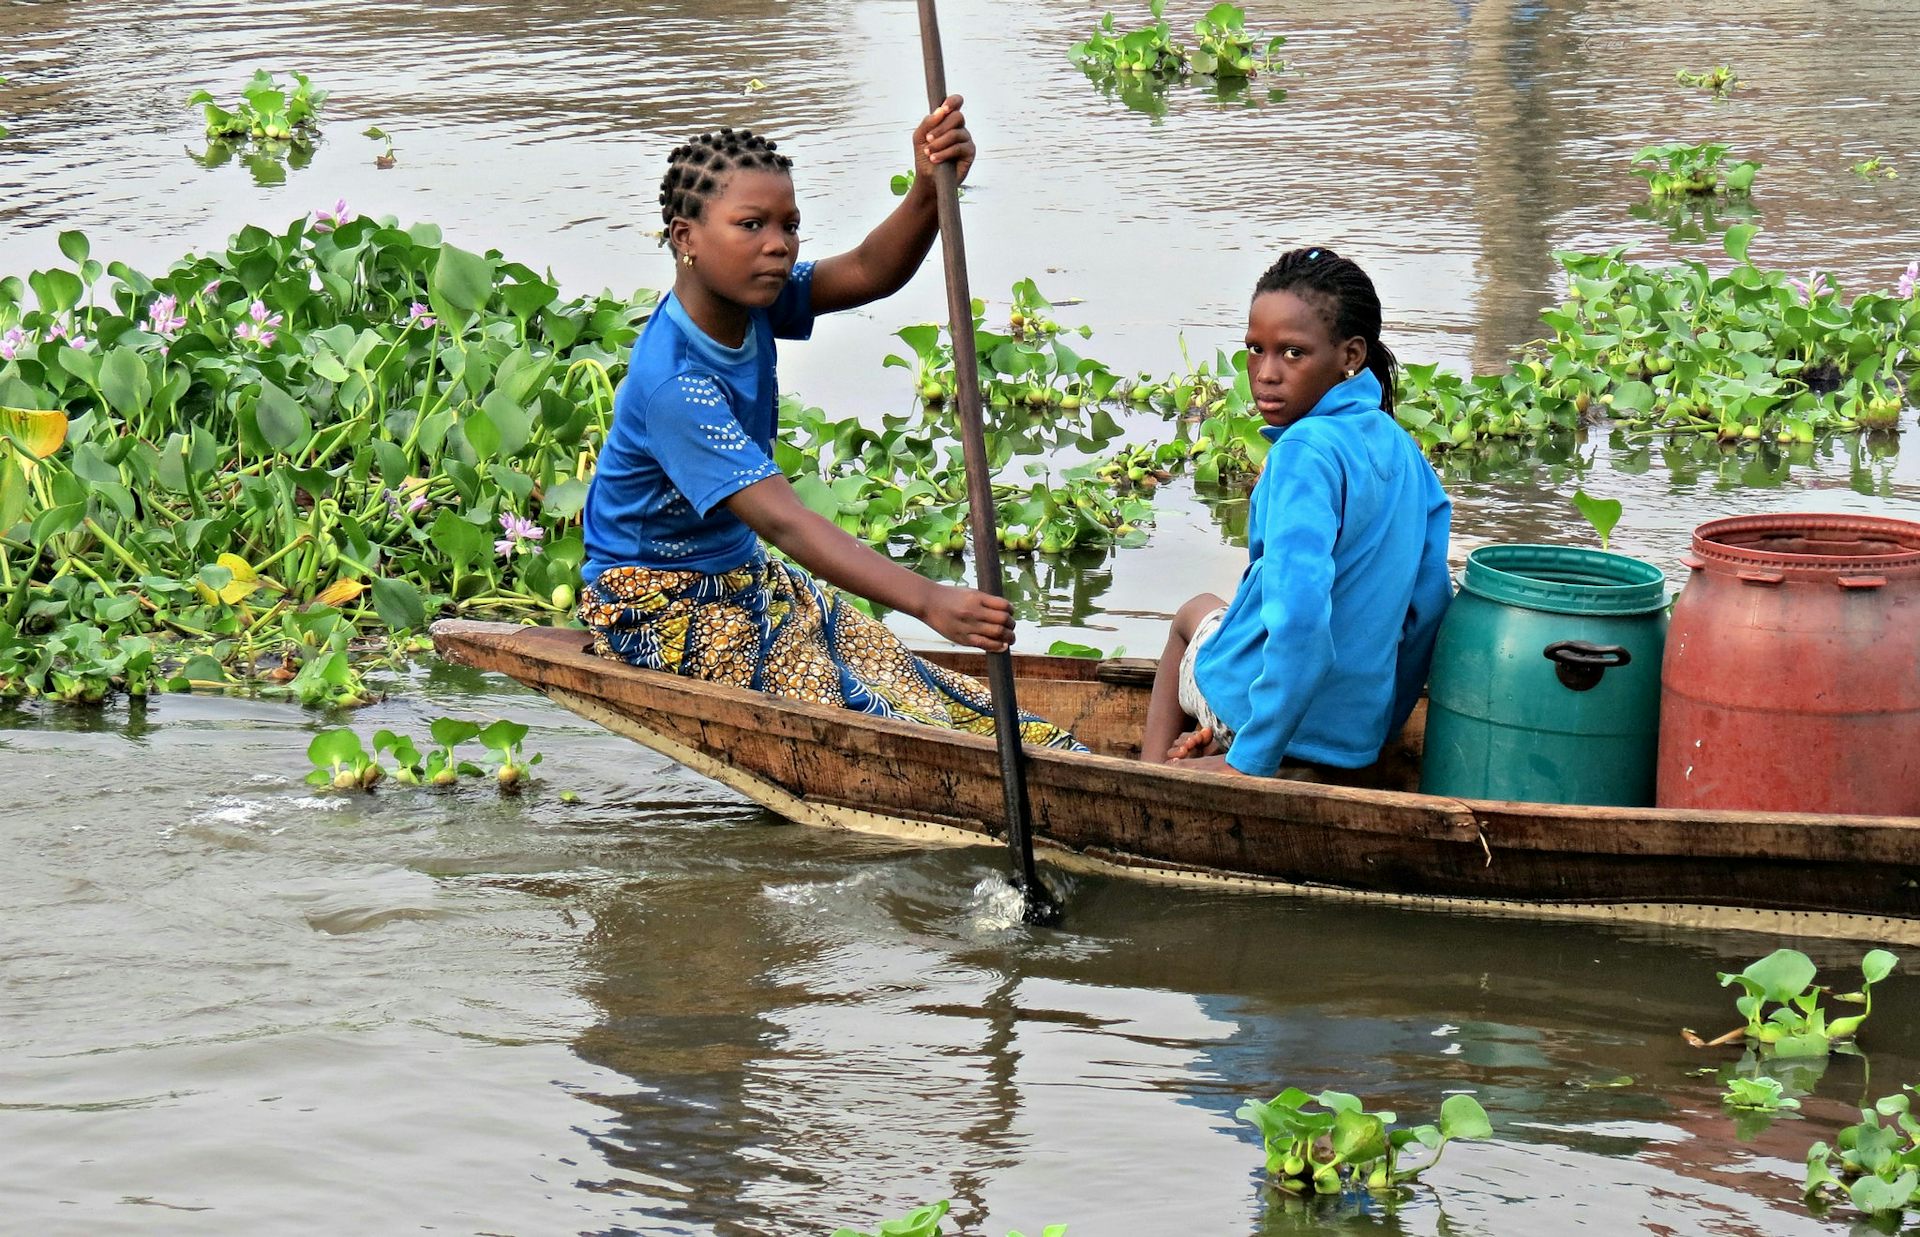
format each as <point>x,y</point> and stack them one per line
<point>234,1006</point>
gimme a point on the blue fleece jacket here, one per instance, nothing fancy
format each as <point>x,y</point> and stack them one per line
<point>1327,643</point>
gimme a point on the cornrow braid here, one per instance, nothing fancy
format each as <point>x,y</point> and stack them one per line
<point>697,170</point>
<point>1346,301</point>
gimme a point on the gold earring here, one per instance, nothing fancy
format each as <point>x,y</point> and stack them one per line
<point>686,259</point>
<point>1352,372</point>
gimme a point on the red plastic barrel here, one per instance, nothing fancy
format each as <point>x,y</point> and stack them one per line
<point>1791,678</point>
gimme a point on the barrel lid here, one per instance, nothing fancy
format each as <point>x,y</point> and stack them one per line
<point>1565,580</point>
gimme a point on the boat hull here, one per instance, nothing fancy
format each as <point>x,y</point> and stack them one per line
<point>1853,877</point>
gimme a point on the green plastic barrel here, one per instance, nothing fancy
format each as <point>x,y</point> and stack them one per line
<point>1546,679</point>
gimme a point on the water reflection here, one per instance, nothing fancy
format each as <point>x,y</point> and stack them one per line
<point>1517,53</point>
<point>1694,221</point>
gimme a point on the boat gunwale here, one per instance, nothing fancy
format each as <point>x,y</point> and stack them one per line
<point>565,646</point>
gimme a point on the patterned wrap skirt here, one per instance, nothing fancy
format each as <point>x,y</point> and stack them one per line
<point>769,626</point>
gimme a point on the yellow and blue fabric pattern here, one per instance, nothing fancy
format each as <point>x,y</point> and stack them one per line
<point>770,627</point>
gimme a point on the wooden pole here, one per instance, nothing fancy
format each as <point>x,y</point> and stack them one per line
<point>1039,905</point>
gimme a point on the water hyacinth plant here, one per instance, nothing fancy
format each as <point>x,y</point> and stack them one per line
<point>1601,514</point>
<point>265,111</point>
<point>1740,355</point>
<point>1676,169</point>
<point>1873,167</point>
<point>330,418</point>
<point>1758,1094</point>
<point>384,159</point>
<point>342,762</point>
<point>1223,48</point>
<point>1719,79</point>
<point>1873,1164</point>
<point>1328,1143</point>
<point>925,1222</point>
<point>1797,1024</point>
<point>503,738</point>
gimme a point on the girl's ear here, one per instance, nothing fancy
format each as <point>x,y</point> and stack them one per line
<point>1353,355</point>
<point>677,235</point>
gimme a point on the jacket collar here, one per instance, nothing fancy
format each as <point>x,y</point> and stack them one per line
<point>1360,393</point>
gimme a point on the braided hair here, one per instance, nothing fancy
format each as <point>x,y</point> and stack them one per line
<point>1343,294</point>
<point>697,170</point>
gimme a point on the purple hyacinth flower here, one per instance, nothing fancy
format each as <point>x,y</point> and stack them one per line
<point>161,318</point>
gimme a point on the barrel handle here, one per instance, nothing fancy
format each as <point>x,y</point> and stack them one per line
<point>1694,562</point>
<point>1863,581</point>
<point>1756,576</point>
<point>1578,664</point>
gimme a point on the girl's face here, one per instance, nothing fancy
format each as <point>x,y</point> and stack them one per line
<point>746,240</point>
<point>1292,357</point>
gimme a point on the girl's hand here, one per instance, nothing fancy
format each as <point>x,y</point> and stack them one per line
<point>943,138</point>
<point>970,617</point>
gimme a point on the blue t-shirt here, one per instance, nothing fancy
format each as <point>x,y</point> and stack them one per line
<point>693,424</point>
<point>1324,650</point>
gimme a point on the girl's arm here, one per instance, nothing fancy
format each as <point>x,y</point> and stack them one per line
<point>963,615</point>
<point>883,263</point>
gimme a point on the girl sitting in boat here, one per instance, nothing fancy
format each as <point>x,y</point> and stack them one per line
<point>685,489</point>
<point>1322,652</point>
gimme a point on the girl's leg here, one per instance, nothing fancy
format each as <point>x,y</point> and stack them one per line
<point>1165,718</point>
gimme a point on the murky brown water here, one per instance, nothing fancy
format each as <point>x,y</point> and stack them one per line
<point>231,1006</point>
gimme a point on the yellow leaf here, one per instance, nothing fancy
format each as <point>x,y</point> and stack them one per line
<point>245,579</point>
<point>339,593</point>
<point>39,432</point>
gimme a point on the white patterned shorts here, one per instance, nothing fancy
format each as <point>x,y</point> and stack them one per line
<point>1191,701</point>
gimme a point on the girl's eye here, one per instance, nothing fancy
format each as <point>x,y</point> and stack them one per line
<point>793,229</point>
<point>1255,350</point>
<point>751,225</point>
<point>1294,354</point>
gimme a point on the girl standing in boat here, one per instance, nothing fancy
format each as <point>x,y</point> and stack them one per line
<point>685,488</point>
<point>1322,652</point>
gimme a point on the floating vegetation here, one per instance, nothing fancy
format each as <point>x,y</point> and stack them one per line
<point>266,111</point>
<point>1798,1024</point>
<point>271,128</point>
<point>1761,1094</point>
<point>925,1222</point>
<point>1744,355</point>
<point>1719,79</point>
<point>1223,49</point>
<point>385,158</point>
<point>1875,167</point>
<point>1328,1143</point>
<point>1676,169</point>
<point>1875,1163</point>
<point>259,454</point>
<point>341,762</point>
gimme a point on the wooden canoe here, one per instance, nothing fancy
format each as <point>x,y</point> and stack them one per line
<point>1850,877</point>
